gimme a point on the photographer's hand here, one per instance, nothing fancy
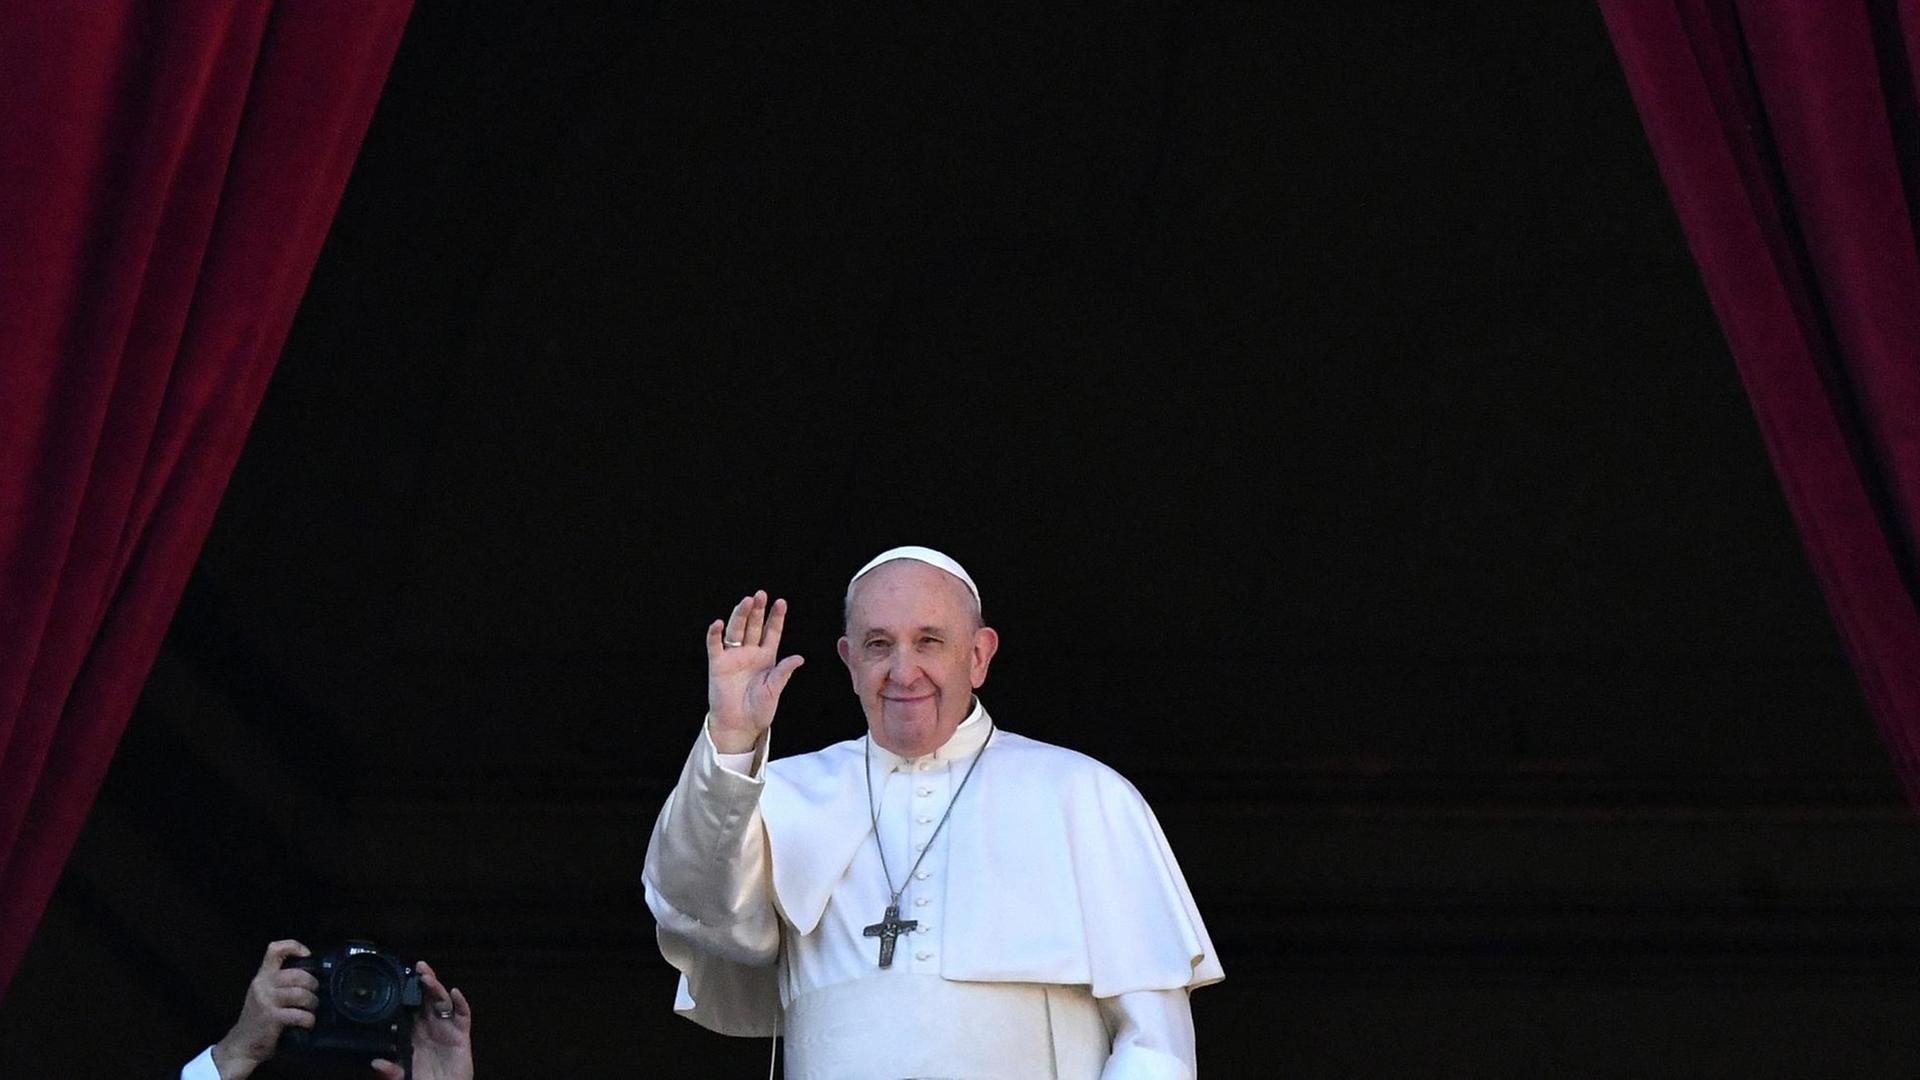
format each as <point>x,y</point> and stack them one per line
<point>277,998</point>
<point>442,1044</point>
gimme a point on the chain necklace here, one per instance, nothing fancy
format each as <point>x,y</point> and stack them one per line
<point>891,925</point>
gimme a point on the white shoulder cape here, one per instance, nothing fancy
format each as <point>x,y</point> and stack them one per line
<point>1057,873</point>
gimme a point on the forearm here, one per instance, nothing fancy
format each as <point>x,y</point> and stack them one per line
<point>707,873</point>
<point>1152,1036</point>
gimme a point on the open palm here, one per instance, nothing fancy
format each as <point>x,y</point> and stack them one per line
<point>744,671</point>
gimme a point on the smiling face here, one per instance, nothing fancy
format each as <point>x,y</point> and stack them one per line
<point>916,651</point>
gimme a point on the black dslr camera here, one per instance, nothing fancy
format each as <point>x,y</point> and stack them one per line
<point>367,998</point>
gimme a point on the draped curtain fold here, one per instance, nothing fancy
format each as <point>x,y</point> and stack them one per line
<point>168,171</point>
<point>1786,133</point>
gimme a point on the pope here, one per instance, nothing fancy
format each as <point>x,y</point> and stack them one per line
<point>939,897</point>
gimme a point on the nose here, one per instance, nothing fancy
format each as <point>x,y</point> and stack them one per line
<point>902,670</point>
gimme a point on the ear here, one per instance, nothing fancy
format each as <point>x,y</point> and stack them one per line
<point>845,649</point>
<point>986,642</point>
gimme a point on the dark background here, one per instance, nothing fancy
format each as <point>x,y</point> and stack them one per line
<point>1321,394</point>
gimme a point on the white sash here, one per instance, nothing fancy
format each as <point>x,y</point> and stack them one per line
<point>923,1027</point>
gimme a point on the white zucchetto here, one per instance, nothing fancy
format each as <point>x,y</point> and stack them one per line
<point>936,559</point>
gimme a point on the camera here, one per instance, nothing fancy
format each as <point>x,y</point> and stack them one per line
<point>367,998</point>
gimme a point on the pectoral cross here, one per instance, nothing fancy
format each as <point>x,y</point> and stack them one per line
<point>888,930</point>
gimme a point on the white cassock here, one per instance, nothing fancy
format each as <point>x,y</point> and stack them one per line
<point>1056,936</point>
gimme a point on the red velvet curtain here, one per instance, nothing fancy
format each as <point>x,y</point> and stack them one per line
<point>1786,132</point>
<point>168,170</point>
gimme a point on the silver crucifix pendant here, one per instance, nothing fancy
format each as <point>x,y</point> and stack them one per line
<point>888,930</point>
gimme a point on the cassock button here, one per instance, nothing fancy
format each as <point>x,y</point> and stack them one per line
<point>923,792</point>
<point>924,766</point>
<point>923,819</point>
<point>920,846</point>
<point>921,876</point>
<point>920,901</point>
<point>923,955</point>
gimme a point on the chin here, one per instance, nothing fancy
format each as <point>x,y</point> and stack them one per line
<point>911,742</point>
<point>910,738</point>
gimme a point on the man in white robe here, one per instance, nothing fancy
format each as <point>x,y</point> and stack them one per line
<point>940,898</point>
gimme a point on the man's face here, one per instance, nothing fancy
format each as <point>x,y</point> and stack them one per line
<point>916,654</point>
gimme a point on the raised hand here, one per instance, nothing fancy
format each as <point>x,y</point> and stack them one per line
<point>744,672</point>
<point>277,998</point>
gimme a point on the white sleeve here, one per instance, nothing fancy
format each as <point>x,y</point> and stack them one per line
<point>1152,1036</point>
<point>201,1068</point>
<point>708,877</point>
<point>747,765</point>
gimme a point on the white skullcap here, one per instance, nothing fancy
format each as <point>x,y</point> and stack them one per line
<point>935,559</point>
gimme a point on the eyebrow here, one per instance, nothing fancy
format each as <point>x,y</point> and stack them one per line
<point>871,631</point>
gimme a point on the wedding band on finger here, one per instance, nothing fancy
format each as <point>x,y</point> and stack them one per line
<point>444,1014</point>
<point>732,644</point>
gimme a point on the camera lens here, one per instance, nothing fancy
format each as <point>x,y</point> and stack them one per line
<point>365,989</point>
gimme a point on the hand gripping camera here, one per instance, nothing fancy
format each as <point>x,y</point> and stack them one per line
<point>367,998</point>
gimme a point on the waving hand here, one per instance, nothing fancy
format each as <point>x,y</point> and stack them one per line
<point>744,672</point>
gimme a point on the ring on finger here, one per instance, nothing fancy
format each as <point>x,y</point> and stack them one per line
<point>732,644</point>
